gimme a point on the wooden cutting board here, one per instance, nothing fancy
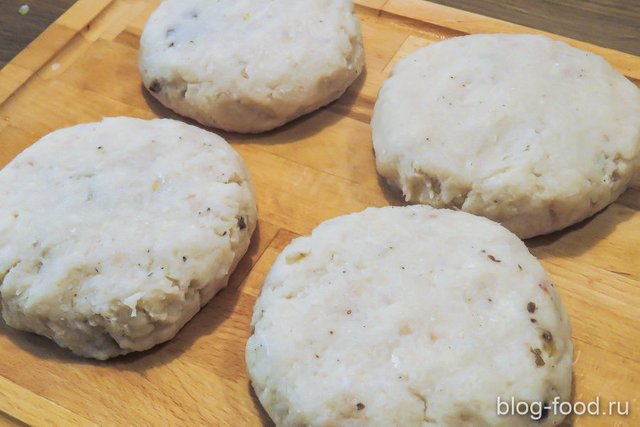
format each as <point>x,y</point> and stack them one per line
<point>84,67</point>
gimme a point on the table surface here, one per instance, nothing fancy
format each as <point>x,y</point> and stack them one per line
<point>609,23</point>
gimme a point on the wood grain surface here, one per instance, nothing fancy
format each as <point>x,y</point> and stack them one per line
<point>84,67</point>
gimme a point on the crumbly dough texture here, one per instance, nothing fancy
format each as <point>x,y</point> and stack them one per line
<point>527,131</point>
<point>407,316</point>
<point>114,234</point>
<point>250,66</point>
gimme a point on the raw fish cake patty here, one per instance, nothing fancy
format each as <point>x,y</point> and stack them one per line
<point>247,65</point>
<point>401,316</point>
<point>114,234</point>
<point>527,131</point>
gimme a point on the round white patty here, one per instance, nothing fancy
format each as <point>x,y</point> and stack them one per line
<point>527,131</point>
<point>407,315</point>
<point>250,66</point>
<point>114,234</point>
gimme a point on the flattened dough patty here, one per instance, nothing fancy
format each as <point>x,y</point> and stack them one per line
<point>527,131</point>
<point>404,316</point>
<point>250,66</point>
<point>114,234</point>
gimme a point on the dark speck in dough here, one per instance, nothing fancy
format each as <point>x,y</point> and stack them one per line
<point>241,224</point>
<point>155,86</point>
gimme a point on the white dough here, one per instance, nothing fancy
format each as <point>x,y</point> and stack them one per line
<point>407,316</point>
<point>527,131</point>
<point>114,234</point>
<point>247,65</point>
